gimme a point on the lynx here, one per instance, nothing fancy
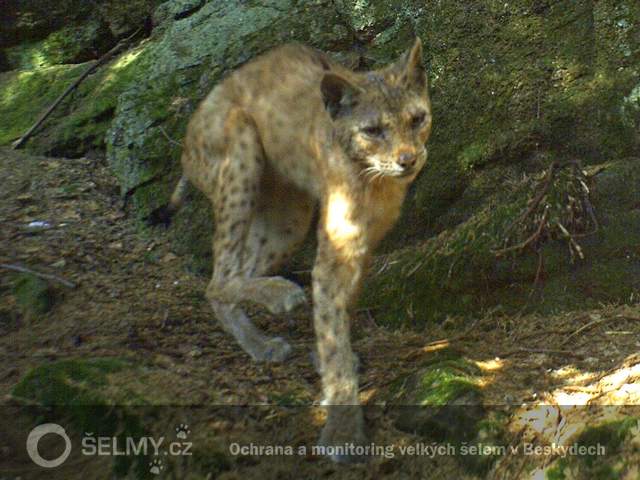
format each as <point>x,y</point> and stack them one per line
<point>286,133</point>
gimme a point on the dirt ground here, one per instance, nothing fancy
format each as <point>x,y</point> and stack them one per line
<point>134,299</point>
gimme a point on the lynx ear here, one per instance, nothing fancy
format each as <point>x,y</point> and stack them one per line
<point>411,72</point>
<point>338,94</point>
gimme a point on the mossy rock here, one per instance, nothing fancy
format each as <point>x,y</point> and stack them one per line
<point>81,121</point>
<point>557,79</point>
<point>71,25</point>
<point>429,398</point>
<point>34,295</point>
<point>459,273</point>
<point>68,382</point>
<point>69,45</point>
<point>443,379</point>
<point>442,402</point>
<point>26,93</point>
<point>609,451</point>
<point>76,390</point>
<point>31,20</point>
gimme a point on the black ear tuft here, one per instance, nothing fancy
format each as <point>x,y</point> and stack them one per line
<point>338,94</point>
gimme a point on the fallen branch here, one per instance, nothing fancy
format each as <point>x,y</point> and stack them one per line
<point>45,276</point>
<point>106,57</point>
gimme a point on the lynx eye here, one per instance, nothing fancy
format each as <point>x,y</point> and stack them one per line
<point>375,131</point>
<point>417,120</point>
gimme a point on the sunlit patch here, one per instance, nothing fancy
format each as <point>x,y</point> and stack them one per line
<point>120,64</point>
<point>571,373</point>
<point>541,418</point>
<point>368,395</point>
<point>318,416</point>
<point>538,474</point>
<point>436,346</point>
<point>125,60</point>
<point>490,365</point>
<point>340,226</point>
<point>573,398</point>
<point>11,91</point>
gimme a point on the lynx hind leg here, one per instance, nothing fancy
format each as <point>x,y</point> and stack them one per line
<point>235,200</point>
<point>279,226</point>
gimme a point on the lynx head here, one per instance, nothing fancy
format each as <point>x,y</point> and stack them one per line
<point>382,118</point>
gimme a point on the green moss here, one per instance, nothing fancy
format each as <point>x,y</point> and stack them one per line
<point>458,273</point>
<point>443,402</point>
<point>27,56</point>
<point>76,391</point>
<point>25,94</point>
<point>34,295</point>
<point>441,379</point>
<point>611,436</point>
<point>444,382</point>
<point>74,388</point>
<point>68,382</point>
<point>71,44</point>
<point>82,120</point>
<point>86,124</point>
<point>556,472</point>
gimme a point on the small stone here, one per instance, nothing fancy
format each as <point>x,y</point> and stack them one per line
<point>169,257</point>
<point>195,353</point>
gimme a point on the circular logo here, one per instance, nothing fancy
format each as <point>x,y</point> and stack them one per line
<point>35,436</point>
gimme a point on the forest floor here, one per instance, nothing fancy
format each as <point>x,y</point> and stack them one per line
<point>135,300</point>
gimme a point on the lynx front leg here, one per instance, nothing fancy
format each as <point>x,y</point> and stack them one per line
<point>340,263</point>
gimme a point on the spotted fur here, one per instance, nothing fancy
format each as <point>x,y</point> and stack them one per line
<point>284,134</point>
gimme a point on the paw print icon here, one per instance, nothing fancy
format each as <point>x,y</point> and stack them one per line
<point>182,431</point>
<point>156,466</point>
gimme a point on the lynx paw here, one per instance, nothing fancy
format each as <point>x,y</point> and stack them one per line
<point>280,295</point>
<point>343,434</point>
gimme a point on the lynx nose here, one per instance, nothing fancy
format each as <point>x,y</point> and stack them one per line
<point>407,160</point>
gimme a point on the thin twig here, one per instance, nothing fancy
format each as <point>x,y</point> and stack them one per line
<point>595,322</point>
<point>107,56</point>
<point>166,135</point>
<point>543,334</point>
<point>536,201</point>
<point>46,276</point>
<point>541,350</point>
<point>528,241</point>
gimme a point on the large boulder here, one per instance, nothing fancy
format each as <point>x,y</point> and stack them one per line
<point>36,33</point>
